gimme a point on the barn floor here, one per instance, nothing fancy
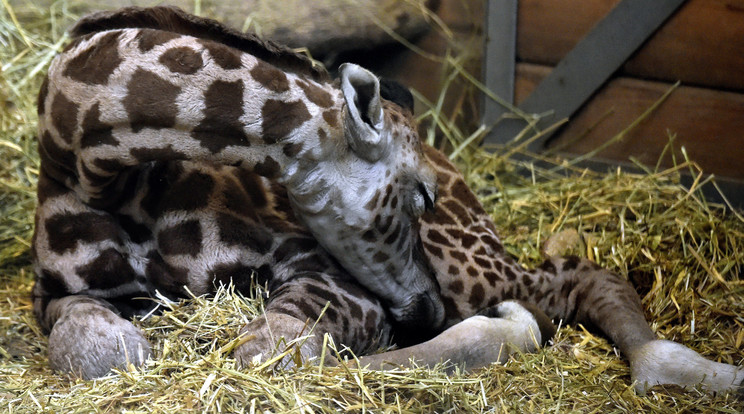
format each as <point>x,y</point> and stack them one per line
<point>684,255</point>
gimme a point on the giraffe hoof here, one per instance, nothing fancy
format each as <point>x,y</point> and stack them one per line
<point>90,342</point>
<point>662,362</point>
<point>506,309</point>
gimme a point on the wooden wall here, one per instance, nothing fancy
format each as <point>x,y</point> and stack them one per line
<point>702,46</point>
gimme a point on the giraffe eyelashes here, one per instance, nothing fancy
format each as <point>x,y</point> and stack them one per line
<point>429,197</point>
<point>423,198</point>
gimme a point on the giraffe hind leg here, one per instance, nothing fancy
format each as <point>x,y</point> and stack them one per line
<point>579,291</point>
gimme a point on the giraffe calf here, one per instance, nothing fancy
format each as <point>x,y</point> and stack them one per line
<point>177,154</point>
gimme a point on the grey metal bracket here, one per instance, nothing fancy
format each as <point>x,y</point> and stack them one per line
<point>576,78</point>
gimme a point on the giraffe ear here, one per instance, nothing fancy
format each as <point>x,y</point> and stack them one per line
<point>364,121</point>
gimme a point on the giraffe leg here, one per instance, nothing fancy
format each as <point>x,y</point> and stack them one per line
<point>579,291</point>
<point>303,310</point>
<point>475,342</point>
<point>79,259</point>
<point>88,338</point>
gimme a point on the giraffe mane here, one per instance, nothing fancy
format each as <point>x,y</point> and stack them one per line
<point>173,19</point>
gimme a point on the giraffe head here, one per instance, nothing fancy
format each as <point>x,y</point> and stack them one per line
<point>378,185</point>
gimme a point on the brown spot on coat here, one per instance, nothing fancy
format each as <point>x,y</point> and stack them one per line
<point>510,275</point>
<point>236,232</point>
<point>372,203</point>
<point>47,188</point>
<point>95,64</point>
<point>51,153</point>
<point>137,232</point>
<point>458,211</point>
<point>96,180</point>
<point>292,149</point>
<point>147,154</point>
<point>459,256</point>
<point>394,235</point>
<point>456,287</point>
<point>241,275</point>
<point>434,250</point>
<point>66,230</point>
<point>369,236</point>
<point>316,94</point>
<point>293,246</point>
<point>221,126</point>
<point>451,308</point>
<point>477,294</point>
<point>383,225</point>
<point>253,186</point>
<point>109,270</point>
<point>331,117</point>
<point>268,168</point>
<point>386,197</point>
<point>147,39</point>
<point>492,277</point>
<point>182,238</point>
<point>189,193</point>
<point>165,276</point>
<point>381,257</point>
<point>270,77</point>
<point>236,200</point>
<point>64,116</point>
<point>95,132</point>
<point>281,118</point>
<point>184,60</point>
<point>150,101</point>
<point>438,238</point>
<point>225,56</point>
<point>570,263</point>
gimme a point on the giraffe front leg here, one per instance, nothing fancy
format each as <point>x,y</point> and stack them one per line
<point>301,311</point>
<point>88,338</point>
<point>476,342</point>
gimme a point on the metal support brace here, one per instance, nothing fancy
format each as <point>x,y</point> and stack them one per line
<point>581,72</point>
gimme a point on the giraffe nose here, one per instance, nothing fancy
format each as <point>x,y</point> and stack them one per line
<point>424,312</point>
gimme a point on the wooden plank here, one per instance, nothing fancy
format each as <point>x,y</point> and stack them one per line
<point>708,123</point>
<point>702,44</point>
